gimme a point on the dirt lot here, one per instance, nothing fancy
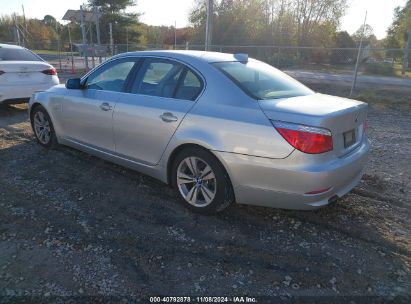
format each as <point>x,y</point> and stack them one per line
<point>73,225</point>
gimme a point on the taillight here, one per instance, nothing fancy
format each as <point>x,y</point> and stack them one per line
<point>312,140</point>
<point>51,72</point>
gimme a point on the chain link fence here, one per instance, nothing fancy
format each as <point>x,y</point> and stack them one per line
<point>76,59</point>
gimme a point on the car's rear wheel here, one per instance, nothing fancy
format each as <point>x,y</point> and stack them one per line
<point>43,128</point>
<point>201,181</point>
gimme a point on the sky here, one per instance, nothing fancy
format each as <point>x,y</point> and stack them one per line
<point>167,12</point>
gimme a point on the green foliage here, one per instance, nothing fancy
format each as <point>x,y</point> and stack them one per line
<point>369,39</point>
<point>397,33</point>
<point>270,22</point>
<point>157,36</point>
<point>112,6</point>
<point>6,29</point>
<point>50,21</point>
<point>33,33</point>
<point>343,40</point>
<point>125,25</point>
<point>376,68</point>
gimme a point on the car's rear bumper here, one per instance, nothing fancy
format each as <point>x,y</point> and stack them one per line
<point>14,93</point>
<point>280,183</point>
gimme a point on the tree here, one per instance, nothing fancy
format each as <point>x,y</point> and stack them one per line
<point>6,29</point>
<point>366,32</point>
<point>397,33</point>
<point>50,21</point>
<point>279,22</point>
<point>344,40</point>
<point>125,25</point>
<point>346,53</point>
<point>113,7</point>
<point>313,16</point>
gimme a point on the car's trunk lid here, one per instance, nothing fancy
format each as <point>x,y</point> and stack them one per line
<point>19,72</point>
<point>345,118</point>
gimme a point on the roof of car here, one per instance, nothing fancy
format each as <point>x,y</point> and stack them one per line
<point>9,46</point>
<point>199,55</point>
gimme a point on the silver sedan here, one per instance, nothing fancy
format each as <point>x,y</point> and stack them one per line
<point>220,128</point>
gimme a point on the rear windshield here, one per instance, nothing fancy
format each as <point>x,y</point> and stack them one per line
<point>262,81</point>
<point>15,54</point>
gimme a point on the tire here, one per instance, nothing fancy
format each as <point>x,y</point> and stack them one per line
<point>43,128</point>
<point>200,181</point>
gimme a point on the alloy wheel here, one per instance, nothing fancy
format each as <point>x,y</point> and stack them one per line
<point>196,181</point>
<point>42,127</point>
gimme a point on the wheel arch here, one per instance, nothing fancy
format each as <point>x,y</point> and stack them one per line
<point>34,106</point>
<point>45,105</point>
<point>184,146</point>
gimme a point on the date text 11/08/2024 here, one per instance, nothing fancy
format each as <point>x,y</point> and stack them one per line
<point>238,299</point>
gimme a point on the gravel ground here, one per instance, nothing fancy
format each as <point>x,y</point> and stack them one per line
<point>72,225</point>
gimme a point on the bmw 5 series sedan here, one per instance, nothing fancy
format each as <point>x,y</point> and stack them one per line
<point>219,128</point>
<point>22,73</point>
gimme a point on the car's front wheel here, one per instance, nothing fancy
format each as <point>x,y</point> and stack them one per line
<point>201,181</point>
<point>43,127</point>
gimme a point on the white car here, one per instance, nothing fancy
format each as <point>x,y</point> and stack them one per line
<point>22,73</point>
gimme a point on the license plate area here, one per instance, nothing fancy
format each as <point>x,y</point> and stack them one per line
<point>349,138</point>
<point>23,75</point>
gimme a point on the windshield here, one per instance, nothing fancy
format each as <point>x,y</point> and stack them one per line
<point>262,81</point>
<point>16,54</point>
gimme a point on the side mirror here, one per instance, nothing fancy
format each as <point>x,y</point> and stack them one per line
<point>74,84</point>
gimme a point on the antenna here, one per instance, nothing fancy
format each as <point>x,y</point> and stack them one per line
<point>242,57</point>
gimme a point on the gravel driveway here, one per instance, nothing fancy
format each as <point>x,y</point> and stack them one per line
<point>74,225</point>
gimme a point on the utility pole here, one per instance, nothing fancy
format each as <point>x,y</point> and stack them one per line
<point>71,50</point>
<point>59,45</point>
<point>25,25</point>
<point>16,31</point>
<point>83,32</point>
<point>97,20</point>
<point>111,38</point>
<point>357,64</point>
<point>126,38</point>
<point>175,35</point>
<point>209,25</point>
<point>405,62</point>
<point>92,46</point>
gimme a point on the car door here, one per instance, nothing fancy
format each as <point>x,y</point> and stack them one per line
<point>87,113</point>
<point>161,94</point>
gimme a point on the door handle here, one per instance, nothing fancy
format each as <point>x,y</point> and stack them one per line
<point>168,117</point>
<point>105,106</point>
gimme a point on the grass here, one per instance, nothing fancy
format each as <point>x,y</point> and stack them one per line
<point>385,100</point>
<point>328,68</point>
<point>398,69</point>
<point>349,69</point>
<point>381,97</point>
<point>380,69</point>
<point>52,52</point>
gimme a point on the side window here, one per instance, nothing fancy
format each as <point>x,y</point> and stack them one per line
<point>111,78</point>
<point>159,78</point>
<point>189,87</point>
